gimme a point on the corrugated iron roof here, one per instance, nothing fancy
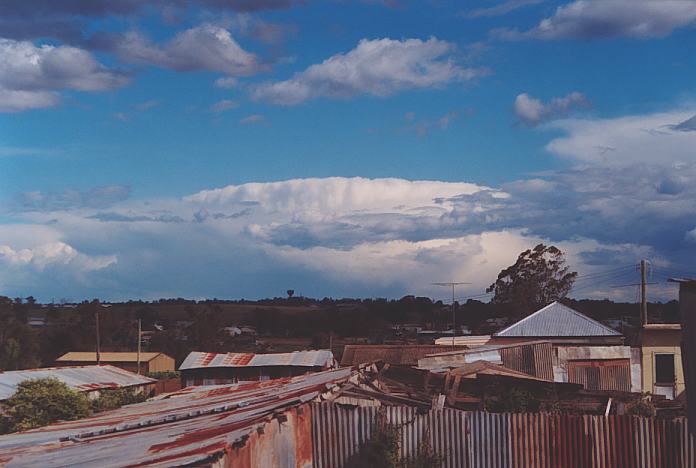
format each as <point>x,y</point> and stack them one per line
<point>314,358</point>
<point>557,320</point>
<point>185,428</point>
<point>405,355</point>
<point>468,340</point>
<point>81,378</point>
<point>108,356</point>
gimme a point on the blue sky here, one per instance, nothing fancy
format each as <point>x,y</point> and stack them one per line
<point>230,148</point>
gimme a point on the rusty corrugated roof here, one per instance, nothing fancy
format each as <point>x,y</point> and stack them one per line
<point>81,378</point>
<point>80,356</point>
<point>314,358</point>
<point>185,428</point>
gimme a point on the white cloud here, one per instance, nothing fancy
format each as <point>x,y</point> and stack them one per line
<point>379,67</point>
<point>647,138</point>
<point>223,105</point>
<point>205,47</point>
<point>252,119</point>
<point>30,75</point>
<point>531,111</point>
<point>338,236</point>
<point>593,19</point>
<point>55,253</point>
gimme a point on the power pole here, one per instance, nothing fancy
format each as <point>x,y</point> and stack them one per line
<point>139,340</point>
<point>643,292</point>
<point>96,319</point>
<point>454,323</point>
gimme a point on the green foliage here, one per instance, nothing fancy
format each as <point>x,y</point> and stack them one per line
<point>382,450</point>
<point>43,401</point>
<point>641,405</point>
<point>425,458</point>
<point>161,375</point>
<point>110,399</point>
<point>538,277</point>
<point>503,399</point>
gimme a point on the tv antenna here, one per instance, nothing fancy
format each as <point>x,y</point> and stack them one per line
<point>452,284</point>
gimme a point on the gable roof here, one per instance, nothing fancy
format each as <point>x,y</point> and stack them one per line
<point>79,356</point>
<point>557,320</point>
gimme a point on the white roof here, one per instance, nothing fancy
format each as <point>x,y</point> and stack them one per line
<point>80,378</point>
<point>559,321</point>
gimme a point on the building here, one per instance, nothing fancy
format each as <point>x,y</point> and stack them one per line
<point>149,362</point>
<point>395,355</point>
<point>323,420</point>
<point>663,372</point>
<point>210,368</point>
<point>585,351</point>
<point>88,379</point>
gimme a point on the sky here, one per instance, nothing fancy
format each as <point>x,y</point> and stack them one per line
<point>240,148</point>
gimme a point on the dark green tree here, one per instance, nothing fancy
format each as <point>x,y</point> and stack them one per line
<point>538,277</point>
<point>39,402</point>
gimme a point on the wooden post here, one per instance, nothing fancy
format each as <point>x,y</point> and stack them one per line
<point>139,341</point>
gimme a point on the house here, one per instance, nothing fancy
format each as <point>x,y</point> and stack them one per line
<point>585,351</point>
<point>149,361</point>
<point>213,369</point>
<point>663,372</point>
<point>87,379</point>
<point>395,355</point>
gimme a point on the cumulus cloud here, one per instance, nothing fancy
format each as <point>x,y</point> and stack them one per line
<point>596,19</point>
<point>205,47</point>
<point>55,253</point>
<point>658,138</point>
<point>531,111</point>
<point>379,67</point>
<point>31,75</point>
<point>375,237</point>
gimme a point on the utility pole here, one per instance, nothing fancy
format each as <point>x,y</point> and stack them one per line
<point>454,323</point>
<point>96,320</point>
<point>643,292</point>
<point>140,328</point>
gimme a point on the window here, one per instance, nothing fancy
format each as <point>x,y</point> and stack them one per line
<point>664,369</point>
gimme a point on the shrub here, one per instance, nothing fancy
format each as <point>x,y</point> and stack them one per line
<point>110,399</point>
<point>39,402</point>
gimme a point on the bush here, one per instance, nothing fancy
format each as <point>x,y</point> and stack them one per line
<point>161,375</point>
<point>43,401</point>
<point>641,406</point>
<point>110,399</point>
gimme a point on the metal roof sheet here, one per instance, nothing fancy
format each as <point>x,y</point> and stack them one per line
<point>557,320</point>
<point>81,378</point>
<point>405,355</point>
<point>315,358</point>
<point>184,428</point>
<point>108,356</point>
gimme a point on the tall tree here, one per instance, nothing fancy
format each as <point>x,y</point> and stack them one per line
<point>538,277</point>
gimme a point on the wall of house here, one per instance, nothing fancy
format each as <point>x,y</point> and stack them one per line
<point>227,375</point>
<point>564,354</point>
<point>656,342</point>
<point>162,363</point>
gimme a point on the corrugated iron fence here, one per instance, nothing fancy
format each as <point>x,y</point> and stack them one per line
<point>494,440</point>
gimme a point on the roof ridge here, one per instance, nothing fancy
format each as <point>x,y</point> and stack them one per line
<point>563,307</point>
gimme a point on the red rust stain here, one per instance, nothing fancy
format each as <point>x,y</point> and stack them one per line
<point>204,450</point>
